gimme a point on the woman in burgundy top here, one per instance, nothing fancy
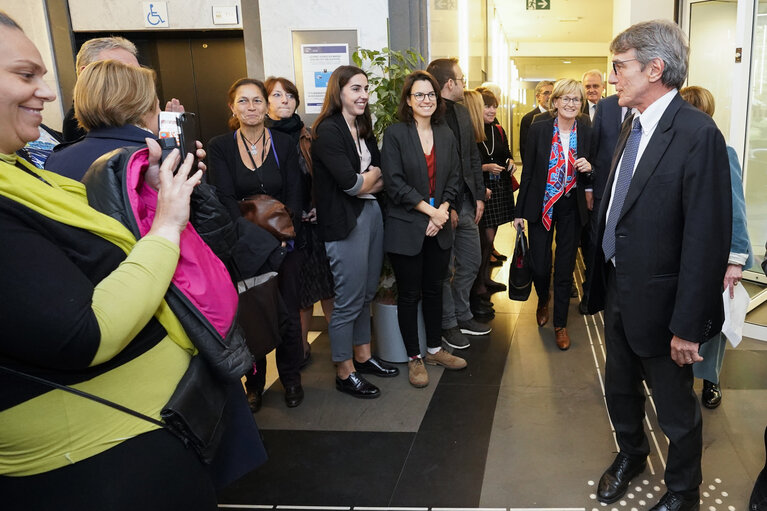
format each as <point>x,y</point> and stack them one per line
<point>421,169</point>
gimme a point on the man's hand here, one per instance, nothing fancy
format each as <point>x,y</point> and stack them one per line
<point>454,218</point>
<point>480,210</point>
<point>590,200</point>
<point>174,105</point>
<point>684,352</point>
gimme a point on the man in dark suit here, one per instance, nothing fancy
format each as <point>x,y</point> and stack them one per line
<point>661,254</point>
<point>605,129</point>
<point>594,87</point>
<point>457,318</point>
<point>542,95</point>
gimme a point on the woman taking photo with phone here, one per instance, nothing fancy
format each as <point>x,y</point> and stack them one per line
<point>253,160</point>
<point>552,196</point>
<point>421,173</point>
<point>346,175</point>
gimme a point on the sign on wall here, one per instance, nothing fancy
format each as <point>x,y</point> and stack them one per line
<point>318,61</point>
<point>538,5</point>
<point>155,14</point>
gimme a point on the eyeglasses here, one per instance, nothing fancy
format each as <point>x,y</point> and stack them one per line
<point>567,100</point>
<point>618,64</point>
<point>278,95</point>
<point>420,96</point>
<point>461,79</point>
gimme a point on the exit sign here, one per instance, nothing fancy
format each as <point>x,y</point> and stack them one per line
<point>538,5</point>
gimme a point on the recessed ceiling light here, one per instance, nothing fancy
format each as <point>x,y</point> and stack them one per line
<point>567,62</point>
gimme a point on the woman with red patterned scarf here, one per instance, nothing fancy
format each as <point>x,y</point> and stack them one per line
<point>552,197</point>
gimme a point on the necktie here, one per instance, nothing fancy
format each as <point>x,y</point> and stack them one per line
<point>623,180</point>
<point>592,111</point>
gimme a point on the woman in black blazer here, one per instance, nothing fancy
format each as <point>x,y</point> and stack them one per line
<point>555,175</point>
<point>254,160</point>
<point>346,163</point>
<point>421,172</point>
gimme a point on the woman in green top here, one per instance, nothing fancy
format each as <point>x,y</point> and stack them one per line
<point>83,308</point>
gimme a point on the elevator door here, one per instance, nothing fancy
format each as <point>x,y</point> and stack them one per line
<point>199,72</point>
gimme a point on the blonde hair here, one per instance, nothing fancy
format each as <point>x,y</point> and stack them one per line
<point>110,93</point>
<point>563,87</point>
<point>476,107</point>
<point>700,98</point>
<point>92,48</point>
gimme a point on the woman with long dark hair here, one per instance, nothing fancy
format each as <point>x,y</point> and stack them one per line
<point>421,173</point>
<point>346,175</point>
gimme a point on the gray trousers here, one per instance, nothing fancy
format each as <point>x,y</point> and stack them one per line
<point>355,263</point>
<point>462,270</point>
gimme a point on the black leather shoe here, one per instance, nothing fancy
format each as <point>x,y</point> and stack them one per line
<point>377,367</point>
<point>498,255</point>
<point>574,290</point>
<point>306,360</point>
<point>357,386</point>
<point>255,399</point>
<point>294,394</point>
<point>583,308</point>
<point>673,501</point>
<point>495,262</point>
<point>712,394</point>
<point>616,479</point>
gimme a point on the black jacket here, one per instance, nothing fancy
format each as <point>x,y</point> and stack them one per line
<point>336,166</point>
<point>535,170</point>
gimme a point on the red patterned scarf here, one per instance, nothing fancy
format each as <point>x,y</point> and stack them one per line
<point>560,180</point>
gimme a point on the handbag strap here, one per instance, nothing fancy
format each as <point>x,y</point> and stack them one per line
<point>84,394</point>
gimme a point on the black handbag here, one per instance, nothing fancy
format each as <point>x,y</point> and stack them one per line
<point>194,413</point>
<point>520,271</point>
<point>262,314</point>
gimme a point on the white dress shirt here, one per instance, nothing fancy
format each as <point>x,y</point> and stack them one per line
<point>649,120</point>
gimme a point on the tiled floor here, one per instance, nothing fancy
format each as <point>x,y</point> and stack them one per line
<point>524,426</point>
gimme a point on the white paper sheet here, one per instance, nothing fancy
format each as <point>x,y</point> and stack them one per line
<point>735,314</point>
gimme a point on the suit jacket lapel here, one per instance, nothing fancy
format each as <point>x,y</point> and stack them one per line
<point>655,149</point>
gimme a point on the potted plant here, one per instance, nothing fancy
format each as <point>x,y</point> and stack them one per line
<point>387,70</point>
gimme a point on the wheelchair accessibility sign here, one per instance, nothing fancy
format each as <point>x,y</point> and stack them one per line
<point>155,14</point>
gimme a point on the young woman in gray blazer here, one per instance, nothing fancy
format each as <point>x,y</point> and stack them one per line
<point>421,172</point>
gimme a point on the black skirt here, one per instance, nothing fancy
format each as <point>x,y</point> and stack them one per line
<point>315,280</point>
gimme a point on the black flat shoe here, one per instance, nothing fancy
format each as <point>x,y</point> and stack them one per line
<point>255,400</point>
<point>583,308</point>
<point>357,386</point>
<point>616,479</point>
<point>377,367</point>
<point>712,394</point>
<point>673,501</point>
<point>478,309</point>
<point>495,262</point>
<point>294,395</point>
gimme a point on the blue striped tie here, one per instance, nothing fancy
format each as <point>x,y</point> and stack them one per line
<point>623,181</point>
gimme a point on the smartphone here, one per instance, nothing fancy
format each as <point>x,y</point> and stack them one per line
<point>178,130</point>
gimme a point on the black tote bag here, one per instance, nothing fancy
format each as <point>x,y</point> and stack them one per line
<point>520,272</point>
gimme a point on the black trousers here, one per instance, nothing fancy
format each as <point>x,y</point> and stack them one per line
<point>290,352</point>
<point>567,224</point>
<point>677,405</point>
<point>152,472</point>
<point>420,277</point>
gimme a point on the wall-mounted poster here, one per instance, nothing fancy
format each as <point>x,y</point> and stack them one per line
<point>318,61</point>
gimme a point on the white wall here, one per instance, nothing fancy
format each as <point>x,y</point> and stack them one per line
<point>280,17</point>
<point>31,16</point>
<point>120,15</point>
<point>629,12</point>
